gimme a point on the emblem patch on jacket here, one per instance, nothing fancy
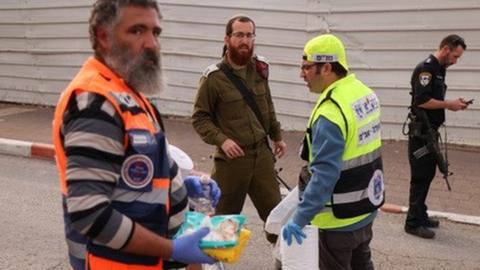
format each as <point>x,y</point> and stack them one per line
<point>137,171</point>
<point>124,99</point>
<point>376,188</point>
<point>424,78</point>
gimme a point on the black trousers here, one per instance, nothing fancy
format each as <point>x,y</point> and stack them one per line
<point>422,172</point>
<point>346,250</point>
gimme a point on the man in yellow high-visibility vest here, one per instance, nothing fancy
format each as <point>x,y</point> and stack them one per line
<point>343,147</point>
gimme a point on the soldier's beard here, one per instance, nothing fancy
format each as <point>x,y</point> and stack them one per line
<point>141,72</point>
<point>238,57</point>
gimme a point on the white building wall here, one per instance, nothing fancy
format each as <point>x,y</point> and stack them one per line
<point>42,45</point>
<point>44,42</point>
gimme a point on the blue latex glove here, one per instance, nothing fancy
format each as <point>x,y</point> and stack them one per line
<point>186,249</point>
<point>292,229</point>
<point>215,192</point>
<point>194,187</point>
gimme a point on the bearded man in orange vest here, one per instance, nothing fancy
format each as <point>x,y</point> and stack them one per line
<point>112,154</point>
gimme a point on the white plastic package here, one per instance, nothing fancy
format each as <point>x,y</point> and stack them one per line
<point>301,257</point>
<point>282,212</point>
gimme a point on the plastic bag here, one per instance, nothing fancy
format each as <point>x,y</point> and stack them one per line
<point>282,212</point>
<point>300,257</point>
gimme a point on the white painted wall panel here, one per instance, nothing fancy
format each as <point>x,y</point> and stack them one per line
<point>44,42</point>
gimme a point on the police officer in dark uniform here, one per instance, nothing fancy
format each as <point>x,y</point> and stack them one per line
<point>222,116</point>
<point>428,94</point>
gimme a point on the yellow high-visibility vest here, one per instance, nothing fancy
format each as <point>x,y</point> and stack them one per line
<point>355,109</point>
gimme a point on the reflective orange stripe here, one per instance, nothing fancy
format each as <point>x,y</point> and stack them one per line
<point>87,78</point>
<point>99,263</point>
<point>81,82</point>
<point>161,183</point>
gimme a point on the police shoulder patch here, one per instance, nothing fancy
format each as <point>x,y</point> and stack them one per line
<point>209,70</point>
<point>424,78</point>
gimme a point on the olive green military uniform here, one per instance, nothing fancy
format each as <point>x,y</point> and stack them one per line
<point>220,112</point>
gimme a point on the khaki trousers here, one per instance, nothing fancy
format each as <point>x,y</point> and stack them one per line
<point>252,174</point>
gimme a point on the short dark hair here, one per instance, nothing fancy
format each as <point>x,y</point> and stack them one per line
<point>339,69</point>
<point>240,18</point>
<point>105,12</point>
<point>453,41</point>
<point>229,26</point>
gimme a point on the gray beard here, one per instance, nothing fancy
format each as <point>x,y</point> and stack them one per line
<point>146,79</point>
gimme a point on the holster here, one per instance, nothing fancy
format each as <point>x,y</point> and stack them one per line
<point>415,126</point>
<point>415,129</point>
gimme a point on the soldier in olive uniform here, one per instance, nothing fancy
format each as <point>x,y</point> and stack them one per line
<point>243,161</point>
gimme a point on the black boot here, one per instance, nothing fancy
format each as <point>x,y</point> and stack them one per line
<point>420,231</point>
<point>432,223</point>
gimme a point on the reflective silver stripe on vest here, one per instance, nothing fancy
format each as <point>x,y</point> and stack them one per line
<point>361,160</point>
<point>153,197</point>
<point>177,195</point>
<point>325,209</point>
<point>176,220</point>
<point>178,191</point>
<point>77,250</point>
<point>350,197</point>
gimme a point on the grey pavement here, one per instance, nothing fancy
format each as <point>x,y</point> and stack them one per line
<point>31,231</point>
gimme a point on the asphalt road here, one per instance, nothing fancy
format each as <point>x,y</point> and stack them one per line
<point>31,230</point>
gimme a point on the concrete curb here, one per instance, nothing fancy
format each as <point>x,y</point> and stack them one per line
<point>393,208</point>
<point>397,209</point>
<point>45,151</point>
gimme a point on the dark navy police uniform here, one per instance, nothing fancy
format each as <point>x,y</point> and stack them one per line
<point>428,81</point>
